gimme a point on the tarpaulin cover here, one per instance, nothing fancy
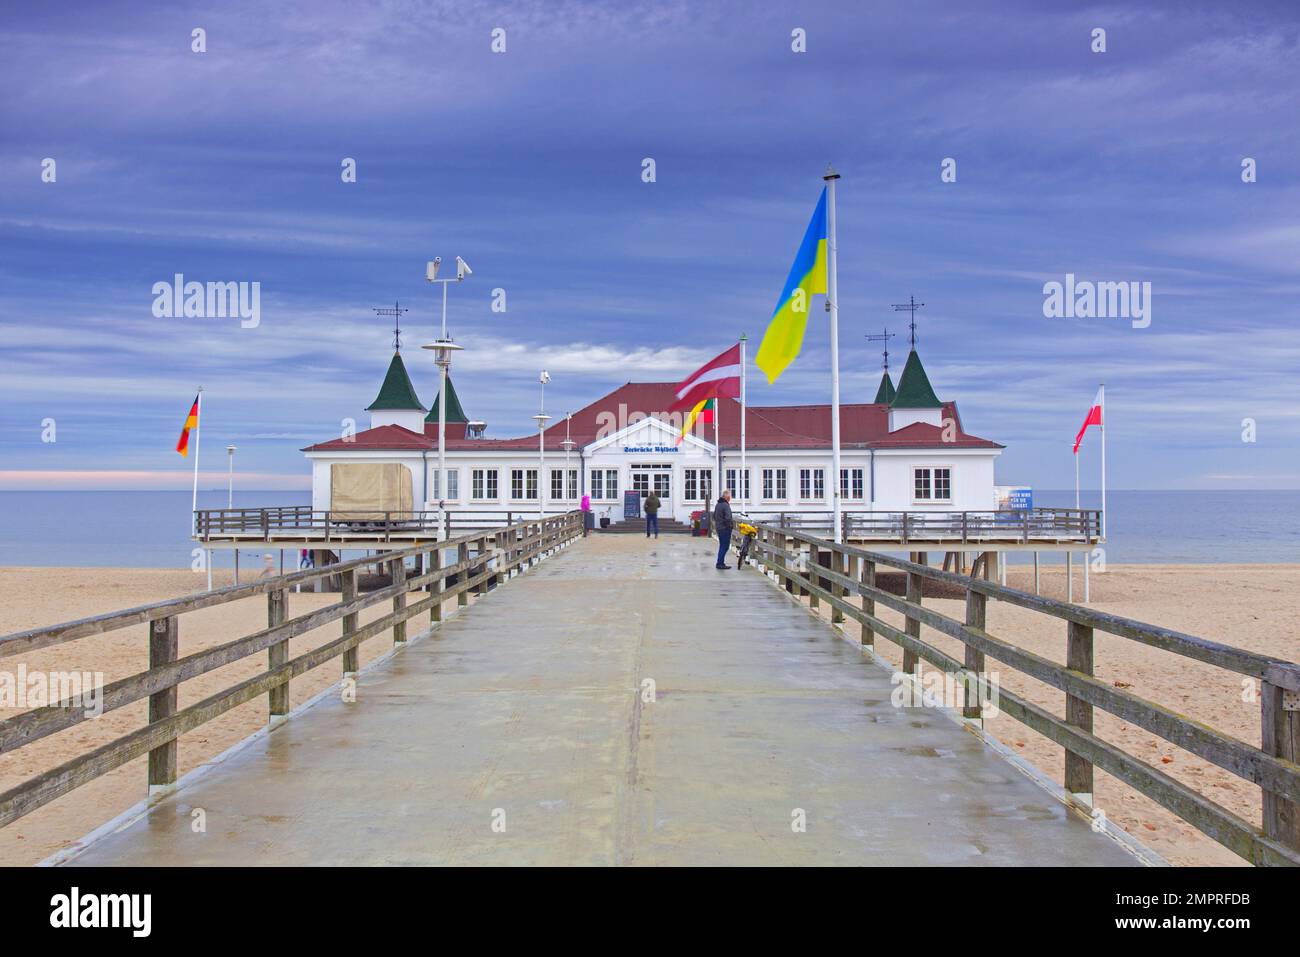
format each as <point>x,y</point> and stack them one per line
<point>367,490</point>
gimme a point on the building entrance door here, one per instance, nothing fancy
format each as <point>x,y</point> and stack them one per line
<point>656,477</point>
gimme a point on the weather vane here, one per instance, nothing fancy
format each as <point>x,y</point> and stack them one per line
<point>884,338</point>
<point>910,306</point>
<point>396,313</point>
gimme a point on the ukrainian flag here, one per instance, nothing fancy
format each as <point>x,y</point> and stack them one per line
<point>784,336</point>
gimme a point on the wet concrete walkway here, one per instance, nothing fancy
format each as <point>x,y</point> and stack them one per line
<point>520,733</point>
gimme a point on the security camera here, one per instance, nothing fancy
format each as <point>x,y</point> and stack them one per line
<point>462,269</point>
<point>545,377</point>
<point>431,269</point>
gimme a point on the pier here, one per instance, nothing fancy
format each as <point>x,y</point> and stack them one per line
<point>607,700</point>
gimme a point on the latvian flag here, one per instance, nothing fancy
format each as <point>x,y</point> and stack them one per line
<point>191,420</point>
<point>718,378</point>
<point>1093,417</point>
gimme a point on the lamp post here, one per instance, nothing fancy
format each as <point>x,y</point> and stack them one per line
<point>230,476</point>
<point>567,445</point>
<point>443,347</point>
<point>541,418</point>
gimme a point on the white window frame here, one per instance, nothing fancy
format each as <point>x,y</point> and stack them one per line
<point>931,484</point>
<point>526,480</point>
<point>484,485</point>
<point>777,484</point>
<point>853,487</point>
<point>735,479</point>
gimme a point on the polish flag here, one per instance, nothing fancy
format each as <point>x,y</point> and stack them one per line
<point>718,377</point>
<point>1093,418</point>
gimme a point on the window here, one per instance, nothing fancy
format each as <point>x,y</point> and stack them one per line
<point>774,483</point>
<point>812,484</point>
<point>932,484</point>
<point>736,478</point>
<point>851,483</point>
<point>453,484</point>
<point>523,484</point>
<point>559,488</point>
<point>698,484</point>
<point>604,483</point>
<point>483,484</point>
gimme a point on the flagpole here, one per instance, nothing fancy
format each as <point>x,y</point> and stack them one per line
<point>717,445</point>
<point>1076,479</point>
<point>743,491</point>
<point>198,436</point>
<point>832,295</point>
<point>1103,460</point>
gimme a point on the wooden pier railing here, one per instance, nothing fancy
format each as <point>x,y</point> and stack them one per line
<point>303,523</point>
<point>841,575</point>
<point>483,560</point>
<point>1020,526</point>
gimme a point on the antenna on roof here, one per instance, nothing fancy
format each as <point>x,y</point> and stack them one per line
<point>911,306</point>
<point>883,337</point>
<point>396,313</point>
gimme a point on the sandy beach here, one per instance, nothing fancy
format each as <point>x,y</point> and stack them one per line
<point>1251,606</point>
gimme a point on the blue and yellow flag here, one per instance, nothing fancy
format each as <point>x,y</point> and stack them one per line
<point>784,336</point>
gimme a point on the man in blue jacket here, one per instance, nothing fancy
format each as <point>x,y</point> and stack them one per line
<point>722,521</point>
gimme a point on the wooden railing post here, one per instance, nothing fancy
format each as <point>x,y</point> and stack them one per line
<point>164,648</point>
<point>1280,737</point>
<point>868,603</point>
<point>397,572</point>
<point>277,608</point>
<point>976,617</point>
<point>810,576</point>
<point>837,566</point>
<point>436,587</point>
<point>1078,657</point>
<point>481,568</point>
<point>462,556</point>
<point>912,626</point>
<point>351,657</point>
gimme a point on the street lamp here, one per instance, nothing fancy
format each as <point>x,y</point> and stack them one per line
<point>230,477</point>
<point>567,445</point>
<point>442,348</point>
<point>541,418</point>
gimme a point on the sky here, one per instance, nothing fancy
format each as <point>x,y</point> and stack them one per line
<point>226,166</point>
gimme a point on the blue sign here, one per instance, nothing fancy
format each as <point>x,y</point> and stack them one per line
<point>656,449</point>
<point>631,504</point>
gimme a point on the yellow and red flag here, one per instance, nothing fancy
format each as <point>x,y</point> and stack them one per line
<point>191,420</point>
<point>702,410</point>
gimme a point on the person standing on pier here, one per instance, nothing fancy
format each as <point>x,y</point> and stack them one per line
<point>652,514</point>
<point>723,522</point>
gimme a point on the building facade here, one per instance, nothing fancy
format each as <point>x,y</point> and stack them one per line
<point>905,451</point>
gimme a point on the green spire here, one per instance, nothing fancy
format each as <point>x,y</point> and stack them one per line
<point>914,390</point>
<point>397,391</point>
<point>885,394</point>
<point>454,412</point>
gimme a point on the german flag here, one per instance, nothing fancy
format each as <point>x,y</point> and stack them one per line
<point>191,420</point>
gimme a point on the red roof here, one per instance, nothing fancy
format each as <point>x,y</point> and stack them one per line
<point>862,425</point>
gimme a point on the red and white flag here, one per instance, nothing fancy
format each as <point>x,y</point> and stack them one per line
<point>1093,417</point>
<point>717,378</point>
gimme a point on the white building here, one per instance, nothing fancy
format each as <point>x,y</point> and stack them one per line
<point>905,451</point>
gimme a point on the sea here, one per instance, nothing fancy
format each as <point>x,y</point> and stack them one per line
<point>151,529</point>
